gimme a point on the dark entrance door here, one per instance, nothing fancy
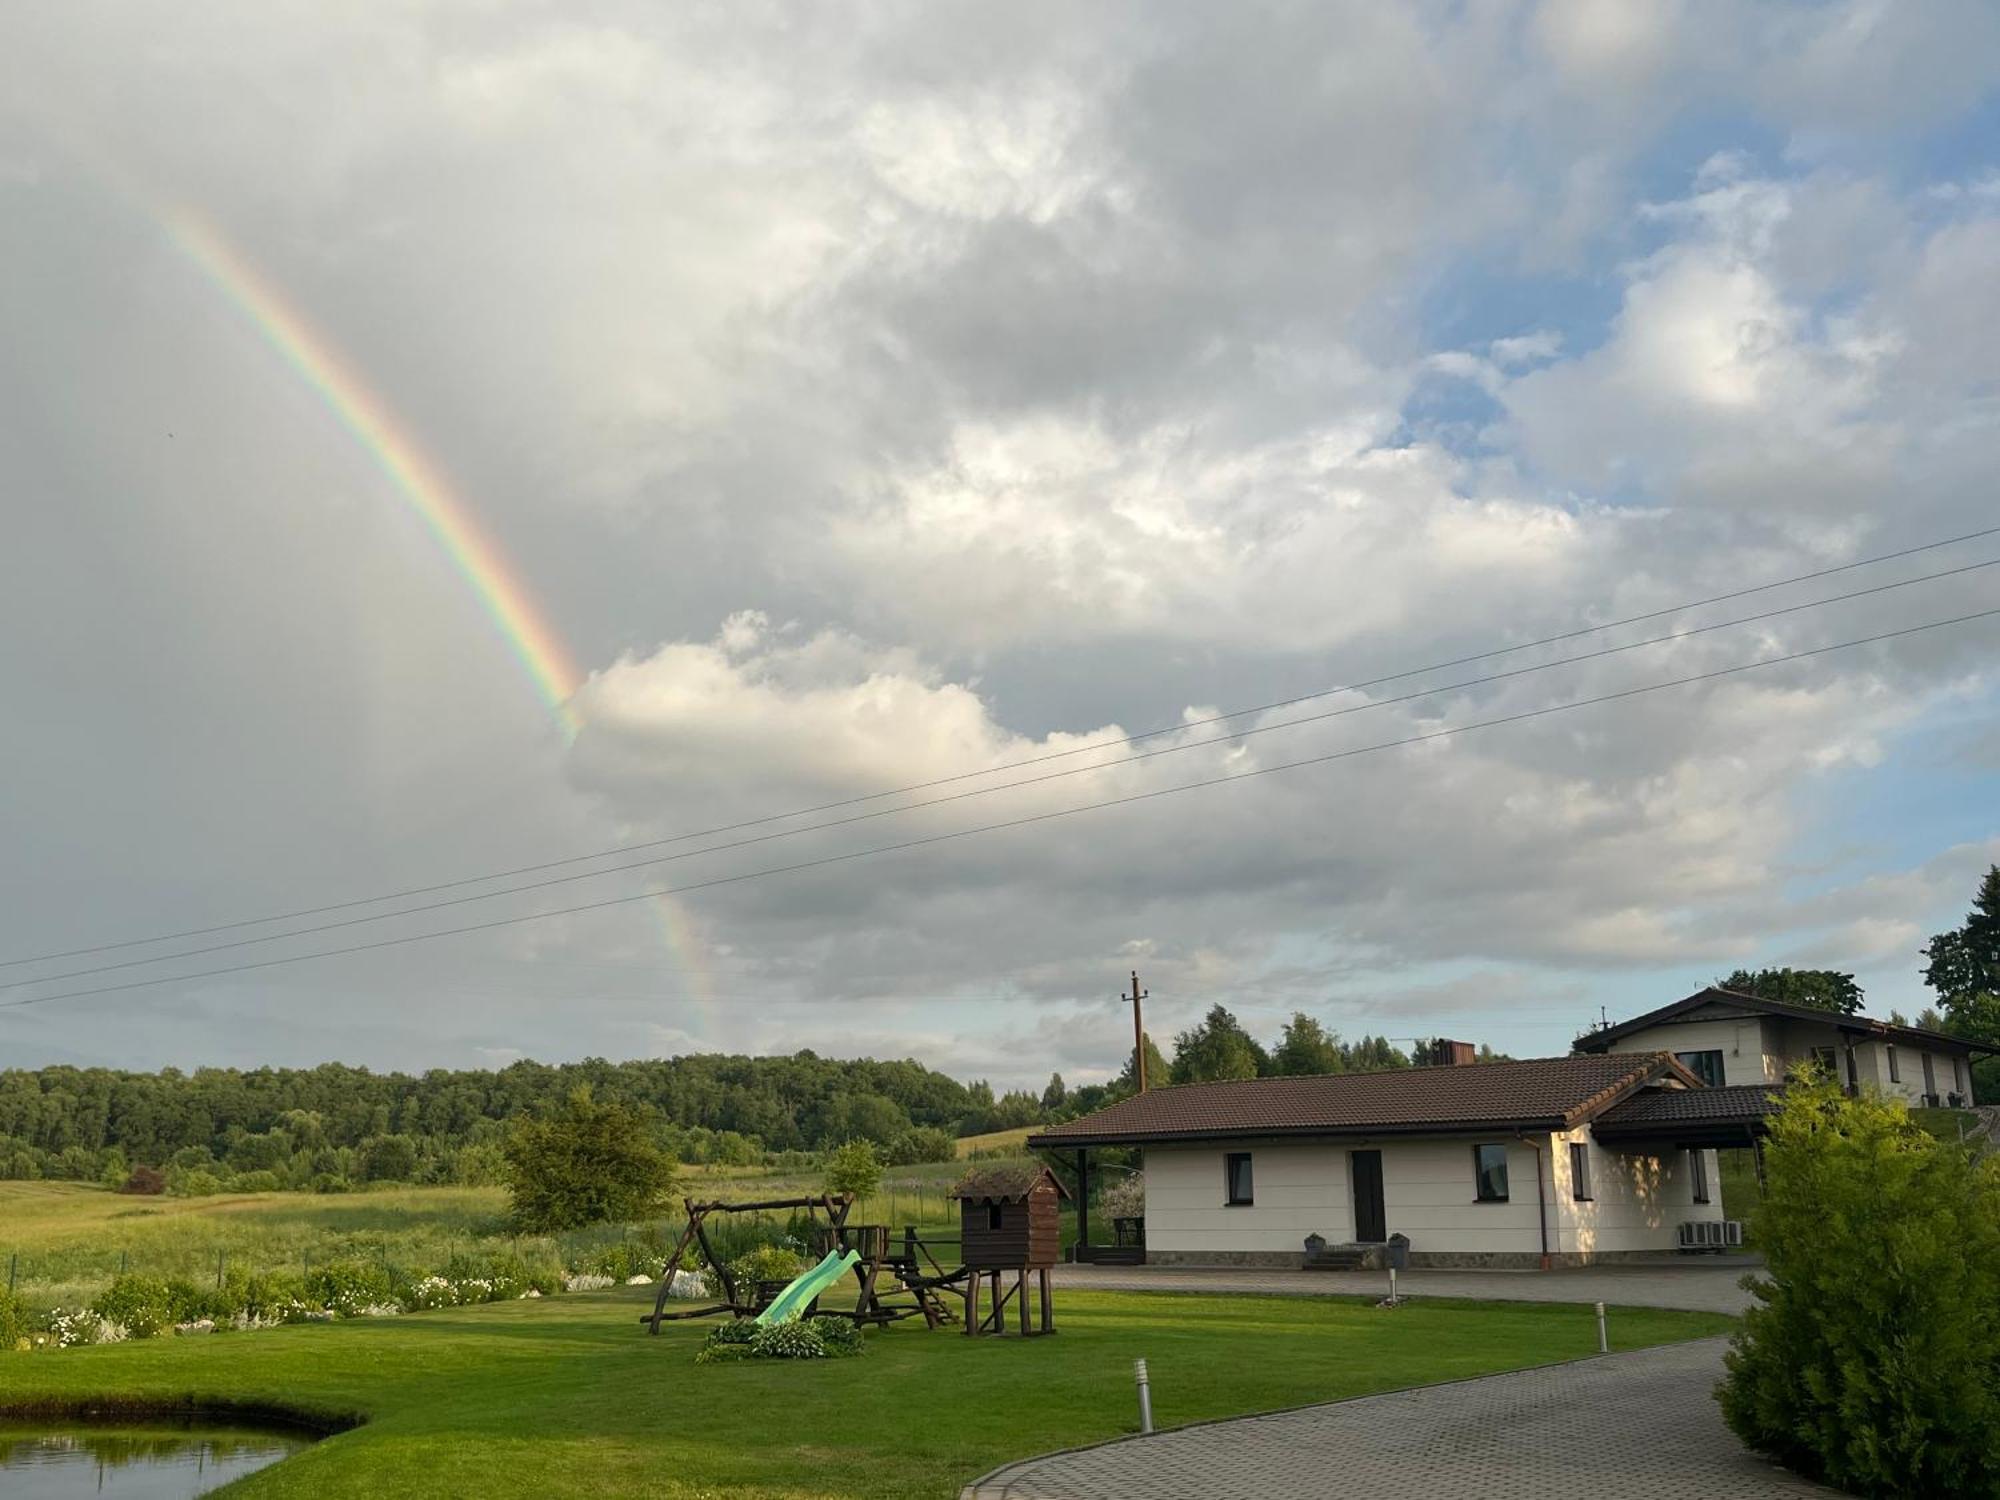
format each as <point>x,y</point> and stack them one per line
<point>1371,1220</point>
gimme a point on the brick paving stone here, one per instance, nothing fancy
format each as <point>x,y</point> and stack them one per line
<point>1702,1284</point>
<point>1637,1426</point>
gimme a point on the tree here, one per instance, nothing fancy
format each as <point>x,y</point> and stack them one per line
<point>388,1158</point>
<point>1873,1359</point>
<point>1218,1048</point>
<point>1306,1049</point>
<point>584,1162</point>
<point>1820,989</point>
<point>1373,1054</point>
<point>1156,1069</point>
<point>1055,1095</point>
<point>1964,969</point>
<point>853,1169</point>
<point>866,1117</point>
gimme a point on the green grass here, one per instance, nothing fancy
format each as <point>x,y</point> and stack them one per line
<point>568,1395</point>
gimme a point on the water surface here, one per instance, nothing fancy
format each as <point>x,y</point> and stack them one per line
<point>56,1458</point>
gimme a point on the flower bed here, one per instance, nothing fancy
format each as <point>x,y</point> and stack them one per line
<point>134,1307</point>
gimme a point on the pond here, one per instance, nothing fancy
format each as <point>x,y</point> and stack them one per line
<point>52,1458</point>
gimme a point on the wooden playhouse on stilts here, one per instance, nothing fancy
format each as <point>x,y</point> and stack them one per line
<point>1010,1225</point>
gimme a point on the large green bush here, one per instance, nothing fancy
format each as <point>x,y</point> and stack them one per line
<point>585,1163</point>
<point>1873,1359</point>
<point>143,1305</point>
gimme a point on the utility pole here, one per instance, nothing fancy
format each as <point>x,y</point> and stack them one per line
<point>1138,1030</point>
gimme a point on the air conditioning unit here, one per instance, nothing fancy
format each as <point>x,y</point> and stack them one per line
<point>1711,1234</point>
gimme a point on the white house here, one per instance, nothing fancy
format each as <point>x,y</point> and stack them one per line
<point>1553,1162</point>
<point>1727,1038</point>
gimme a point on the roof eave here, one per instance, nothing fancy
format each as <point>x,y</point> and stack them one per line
<point>1268,1132</point>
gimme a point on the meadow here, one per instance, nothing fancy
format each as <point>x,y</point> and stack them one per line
<point>62,1242</point>
<point>569,1393</point>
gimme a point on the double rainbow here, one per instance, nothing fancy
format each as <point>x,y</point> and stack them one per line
<point>414,476</point>
<point>474,555</point>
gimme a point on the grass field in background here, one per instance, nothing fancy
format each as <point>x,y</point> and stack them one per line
<point>62,1242</point>
<point>1007,1141</point>
<point>569,1394</point>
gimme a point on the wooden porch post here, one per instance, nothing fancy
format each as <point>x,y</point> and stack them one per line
<point>1082,1202</point>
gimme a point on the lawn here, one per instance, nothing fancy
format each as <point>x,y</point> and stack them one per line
<point>568,1395</point>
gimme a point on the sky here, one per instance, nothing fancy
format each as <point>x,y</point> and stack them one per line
<point>844,399</point>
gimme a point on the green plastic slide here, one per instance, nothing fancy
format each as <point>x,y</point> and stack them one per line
<point>793,1299</point>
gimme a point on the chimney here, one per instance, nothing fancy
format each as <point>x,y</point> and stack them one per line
<point>1449,1054</point>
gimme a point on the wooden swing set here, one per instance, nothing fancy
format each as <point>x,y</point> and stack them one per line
<point>893,1279</point>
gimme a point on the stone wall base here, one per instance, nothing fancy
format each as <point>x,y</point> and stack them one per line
<point>1420,1260</point>
<point>1269,1260</point>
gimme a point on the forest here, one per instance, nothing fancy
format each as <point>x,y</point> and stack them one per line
<point>334,1127</point>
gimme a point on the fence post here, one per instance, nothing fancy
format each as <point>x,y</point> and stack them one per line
<point>218,1270</point>
<point>124,1260</point>
<point>13,1266</point>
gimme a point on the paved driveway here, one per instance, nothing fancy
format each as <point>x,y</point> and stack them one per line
<point>1703,1284</point>
<point>1639,1426</point>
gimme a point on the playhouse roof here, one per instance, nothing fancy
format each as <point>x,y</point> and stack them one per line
<point>1004,1182</point>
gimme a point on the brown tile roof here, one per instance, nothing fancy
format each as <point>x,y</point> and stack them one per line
<point>1548,1093</point>
<point>1738,1104</point>
<point>1003,1181</point>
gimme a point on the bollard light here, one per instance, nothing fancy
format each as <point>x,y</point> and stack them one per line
<point>1603,1341</point>
<point>1145,1396</point>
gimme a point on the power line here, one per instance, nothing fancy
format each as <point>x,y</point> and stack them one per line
<point>1021,822</point>
<point>1046,776</point>
<point>1032,760</point>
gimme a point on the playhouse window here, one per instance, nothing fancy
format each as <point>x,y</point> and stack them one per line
<point>1236,1182</point>
<point>993,1216</point>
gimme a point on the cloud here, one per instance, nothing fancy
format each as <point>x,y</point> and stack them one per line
<point>896,395</point>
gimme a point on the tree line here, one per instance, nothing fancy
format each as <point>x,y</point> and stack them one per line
<point>335,1125</point>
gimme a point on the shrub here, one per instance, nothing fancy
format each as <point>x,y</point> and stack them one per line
<point>841,1337</point>
<point>259,1181</point>
<point>766,1263</point>
<point>585,1163</point>
<point>13,1322</point>
<point>788,1340</point>
<point>925,1143</point>
<point>193,1182</point>
<point>145,1180</point>
<point>349,1287</point>
<point>853,1169</point>
<point>331,1182</point>
<point>142,1305</point>
<point>1873,1359</point>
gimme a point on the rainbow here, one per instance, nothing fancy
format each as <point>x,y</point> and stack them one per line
<point>422,485</point>
<point>414,476</point>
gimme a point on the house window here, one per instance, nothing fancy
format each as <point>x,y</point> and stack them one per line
<point>1895,1073</point>
<point>1823,1058</point>
<point>1236,1180</point>
<point>1489,1173</point>
<point>1579,1172</point>
<point>1698,1174</point>
<point>1958,1081</point>
<point>992,1216</point>
<point>1707,1066</point>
